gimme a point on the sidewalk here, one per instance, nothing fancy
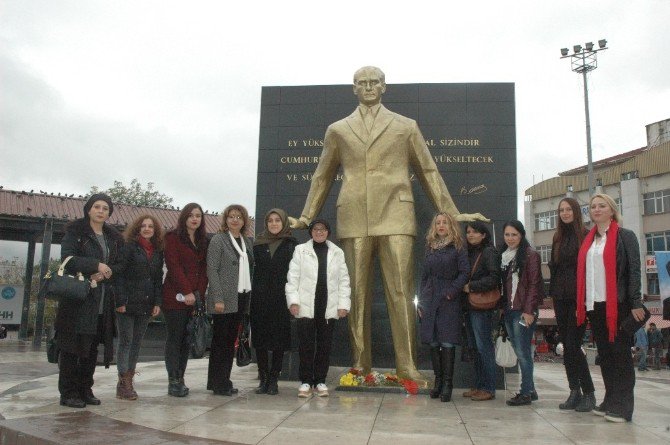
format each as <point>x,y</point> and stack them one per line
<point>28,388</point>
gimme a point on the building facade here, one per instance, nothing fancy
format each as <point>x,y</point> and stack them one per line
<point>638,180</point>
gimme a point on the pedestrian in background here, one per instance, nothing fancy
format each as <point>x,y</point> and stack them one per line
<point>655,345</point>
<point>641,346</point>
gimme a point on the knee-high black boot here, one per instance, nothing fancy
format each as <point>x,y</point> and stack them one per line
<point>438,369</point>
<point>273,387</point>
<point>263,371</point>
<point>447,355</point>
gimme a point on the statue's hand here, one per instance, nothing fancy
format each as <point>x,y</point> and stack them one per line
<point>296,223</point>
<point>471,217</point>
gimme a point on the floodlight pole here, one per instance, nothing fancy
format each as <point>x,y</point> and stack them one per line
<point>582,62</point>
<point>589,155</point>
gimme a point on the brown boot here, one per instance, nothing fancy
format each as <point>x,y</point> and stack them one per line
<point>470,392</point>
<point>482,396</point>
<point>123,388</point>
<point>120,385</point>
<point>129,382</point>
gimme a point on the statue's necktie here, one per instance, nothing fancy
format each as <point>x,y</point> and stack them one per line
<point>369,119</point>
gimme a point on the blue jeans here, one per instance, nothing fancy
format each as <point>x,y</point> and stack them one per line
<point>131,329</point>
<point>484,358</point>
<point>521,337</point>
<point>642,361</point>
<point>657,356</point>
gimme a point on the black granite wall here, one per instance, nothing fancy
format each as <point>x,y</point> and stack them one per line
<point>469,128</point>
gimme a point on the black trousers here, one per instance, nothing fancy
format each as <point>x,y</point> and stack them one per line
<point>576,366</point>
<point>222,352</point>
<point>315,338</point>
<point>616,361</point>
<point>262,357</point>
<point>177,347</point>
<point>75,376</point>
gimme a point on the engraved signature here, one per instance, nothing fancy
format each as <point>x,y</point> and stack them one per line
<point>476,190</point>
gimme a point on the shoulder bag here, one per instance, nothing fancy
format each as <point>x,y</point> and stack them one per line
<point>505,355</point>
<point>483,301</point>
<point>61,285</point>
<point>199,329</point>
<point>243,353</point>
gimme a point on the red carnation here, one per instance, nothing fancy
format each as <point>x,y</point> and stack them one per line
<point>410,386</point>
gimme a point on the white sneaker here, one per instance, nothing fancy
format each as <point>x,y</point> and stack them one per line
<point>322,390</point>
<point>304,390</point>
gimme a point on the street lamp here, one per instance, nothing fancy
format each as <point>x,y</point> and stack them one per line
<point>584,60</point>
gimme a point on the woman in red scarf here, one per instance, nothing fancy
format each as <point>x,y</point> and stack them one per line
<point>138,297</point>
<point>608,290</point>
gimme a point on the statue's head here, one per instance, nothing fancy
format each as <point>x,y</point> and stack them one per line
<point>369,85</point>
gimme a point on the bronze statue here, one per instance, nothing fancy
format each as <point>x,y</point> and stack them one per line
<point>375,212</point>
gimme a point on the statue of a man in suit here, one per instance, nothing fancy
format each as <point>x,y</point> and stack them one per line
<point>375,212</point>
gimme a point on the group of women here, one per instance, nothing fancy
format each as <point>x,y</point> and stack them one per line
<point>129,286</point>
<point>456,265</point>
<point>595,276</point>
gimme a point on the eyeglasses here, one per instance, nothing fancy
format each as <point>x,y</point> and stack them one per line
<point>235,217</point>
<point>319,230</point>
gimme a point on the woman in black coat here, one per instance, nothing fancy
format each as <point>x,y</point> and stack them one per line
<point>484,276</point>
<point>270,318</point>
<point>609,291</point>
<point>138,296</point>
<point>95,248</point>
<point>563,290</point>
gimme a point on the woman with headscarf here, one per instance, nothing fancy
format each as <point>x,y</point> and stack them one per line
<point>96,251</point>
<point>270,318</point>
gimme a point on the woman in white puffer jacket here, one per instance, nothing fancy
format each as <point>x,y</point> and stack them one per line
<point>317,293</point>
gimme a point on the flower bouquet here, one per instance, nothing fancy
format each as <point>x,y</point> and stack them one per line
<point>356,377</point>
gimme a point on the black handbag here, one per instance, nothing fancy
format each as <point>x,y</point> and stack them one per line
<point>59,285</point>
<point>199,329</point>
<point>630,325</point>
<point>243,353</point>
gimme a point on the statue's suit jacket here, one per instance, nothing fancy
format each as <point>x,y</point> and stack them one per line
<point>376,196</point>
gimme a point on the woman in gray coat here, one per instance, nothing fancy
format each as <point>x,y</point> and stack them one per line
<point>230,262</point>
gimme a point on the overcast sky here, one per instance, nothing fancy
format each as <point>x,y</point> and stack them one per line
<point>169,92</point>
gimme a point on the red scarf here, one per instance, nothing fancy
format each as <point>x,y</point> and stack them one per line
<point>146,245</point>
<point>609,258</point>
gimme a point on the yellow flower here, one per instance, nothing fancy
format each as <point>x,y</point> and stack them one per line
<point>348,379</point>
